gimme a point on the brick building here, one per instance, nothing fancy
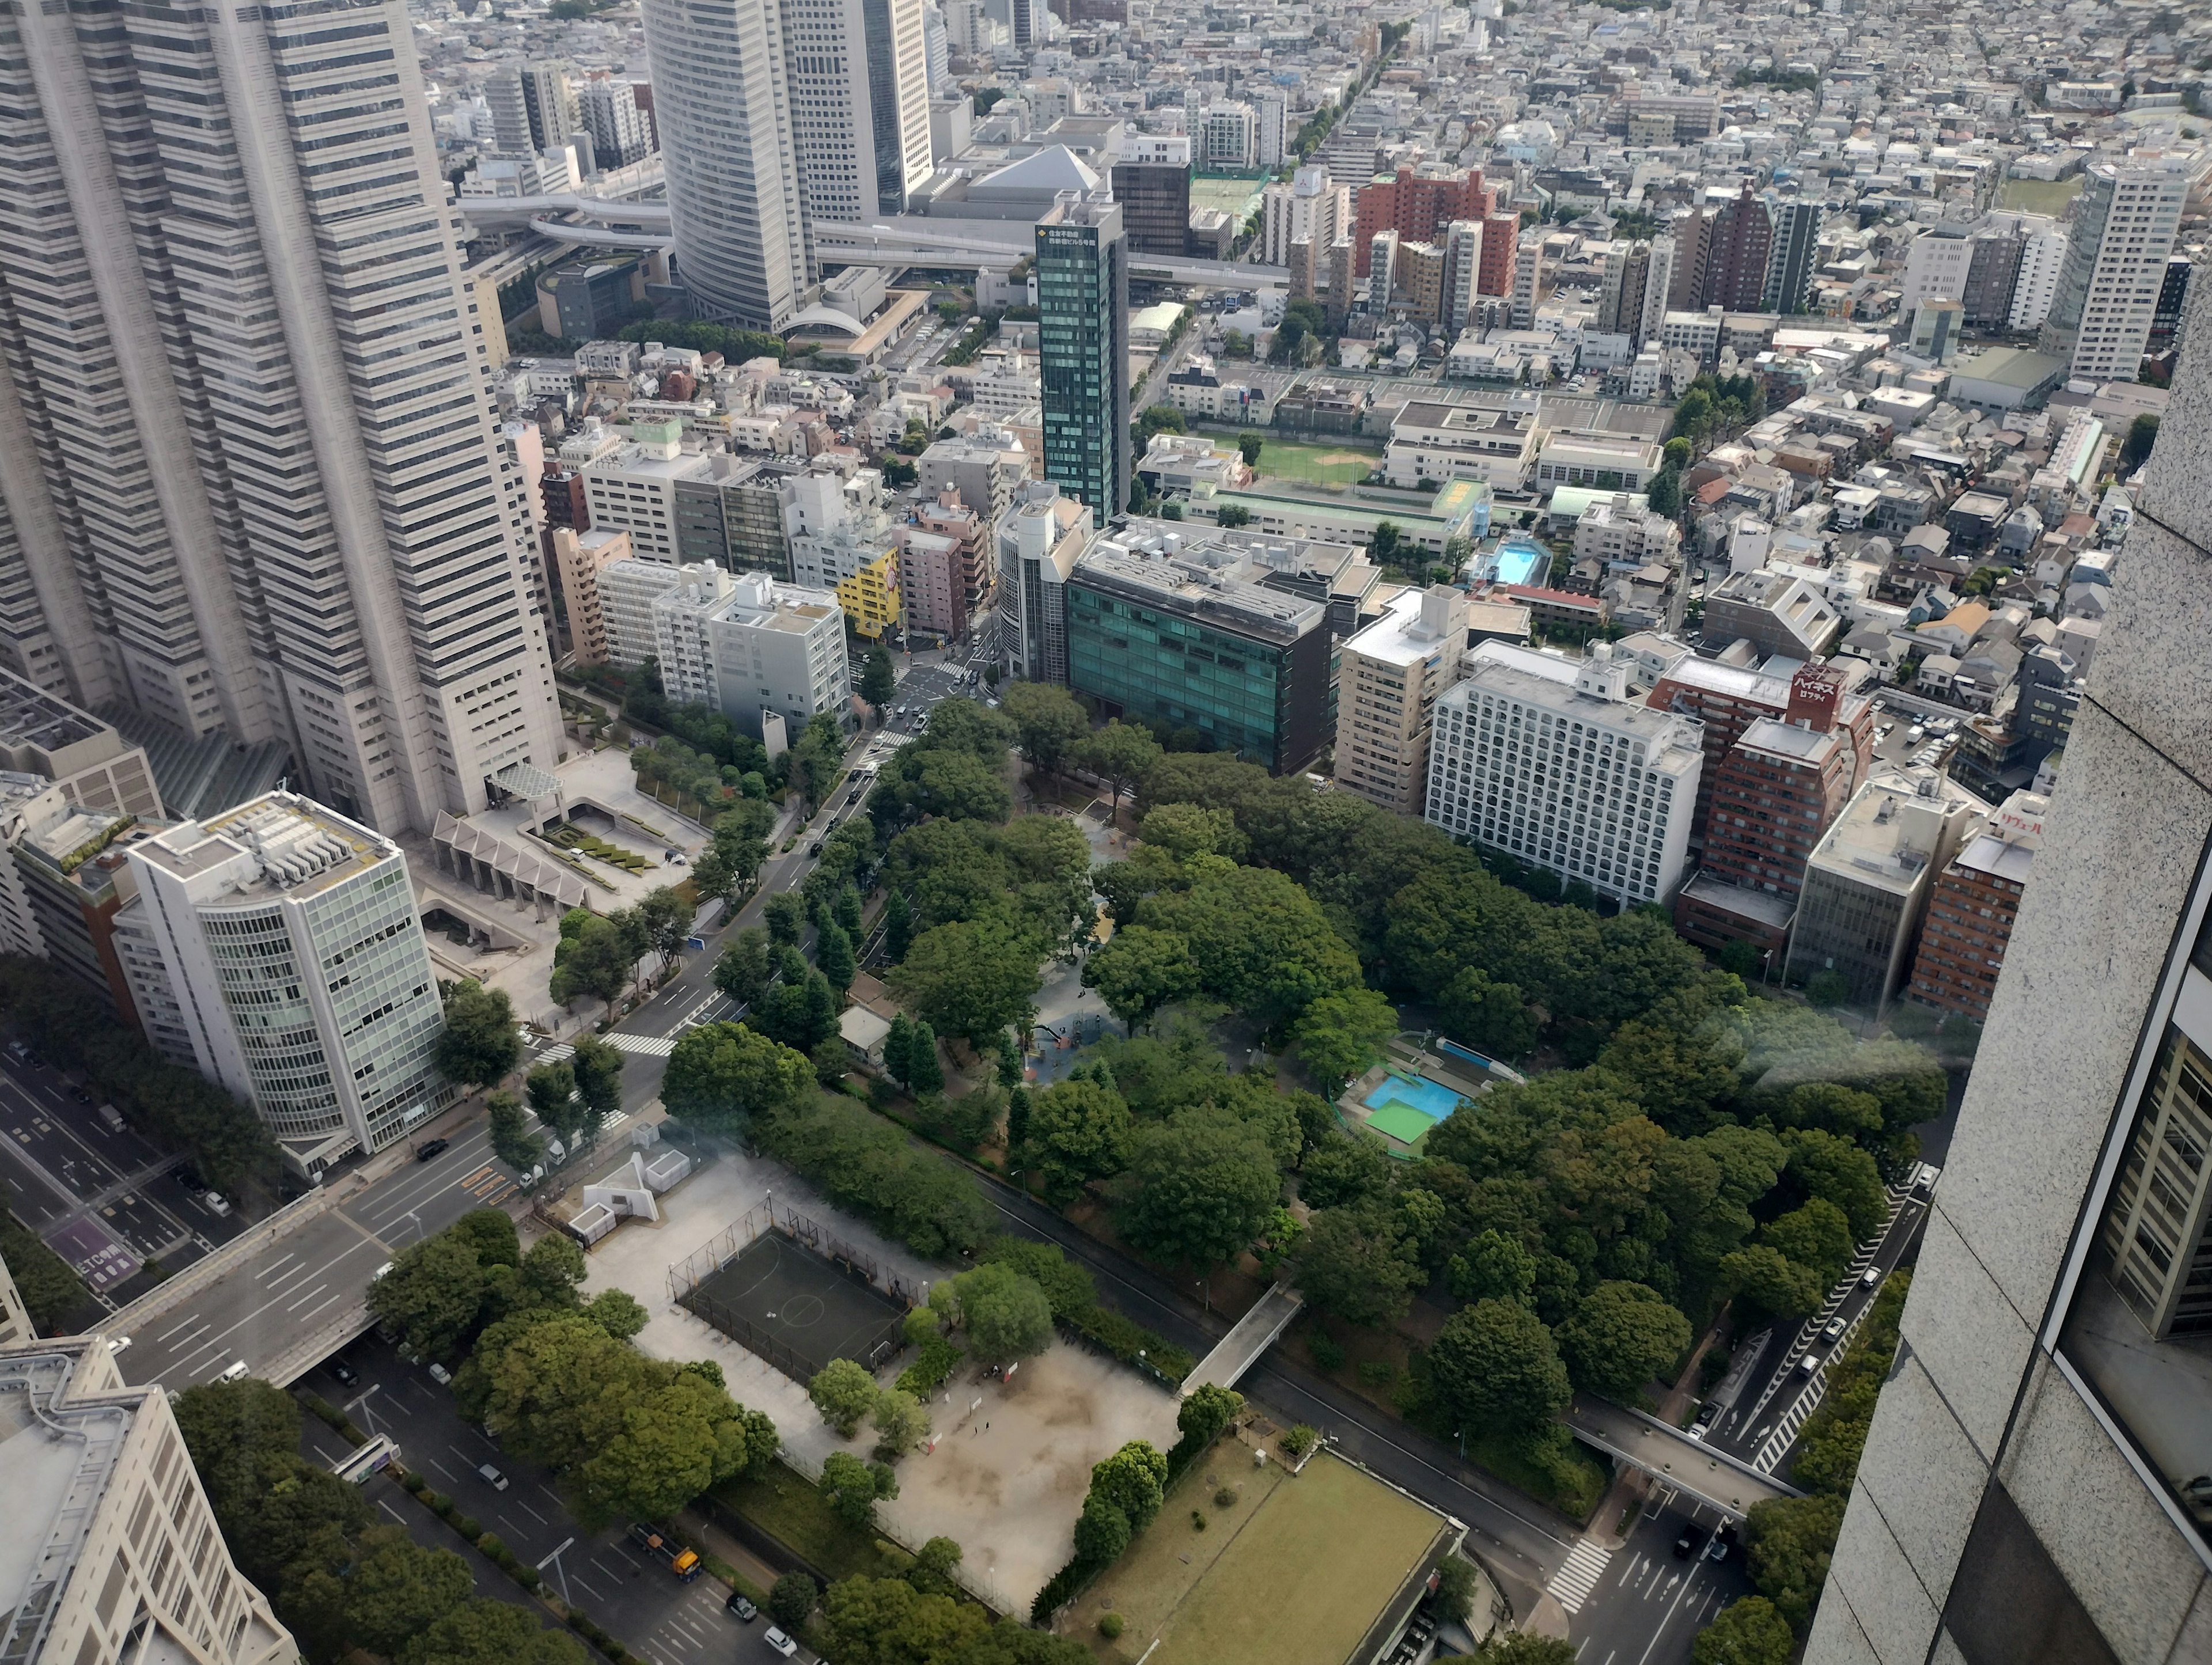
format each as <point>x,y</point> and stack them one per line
<point>1970,916</point>
<point>1419,204</point>
<point>1728,699</point>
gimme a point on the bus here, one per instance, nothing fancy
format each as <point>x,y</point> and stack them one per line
<point>370,1459</point>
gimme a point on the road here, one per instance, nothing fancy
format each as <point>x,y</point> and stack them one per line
<point>1641,1604</point>
<point>630,1593</point>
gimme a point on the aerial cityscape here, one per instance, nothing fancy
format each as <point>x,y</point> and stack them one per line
<point>1105,832</point>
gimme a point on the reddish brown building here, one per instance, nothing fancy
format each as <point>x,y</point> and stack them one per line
<point>1418,204</point>
<point>1776,792</point>
<point>1970,912</point>
<point>1728,699</point>
<point>561,490</point>
<point>1501,239</point>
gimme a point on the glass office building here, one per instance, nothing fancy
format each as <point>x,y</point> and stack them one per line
<point>1082,350</point>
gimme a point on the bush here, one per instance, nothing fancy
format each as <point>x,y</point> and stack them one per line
<point>1109,1626</point>
<point>1225,1498</point>
<point>1376,1372</point>
<point>500,1554</point>
<point>791,1601</point>
<point>1326,1351</point>
<point>441,1505</point>
<point>1197,1520</point>
<point>939,1356</point>
<point>467,1526</point>
<point>1298,1440</point>
<point>527,1575</point>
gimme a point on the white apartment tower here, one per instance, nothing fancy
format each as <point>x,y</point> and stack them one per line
<point>1309,209</point>
<point>2116,253</point>
<point>1272,112</point>
<point>1554,761</point>
<point>296,963</point>
<point>249,479</point>
<point>2042,257</point>
<point>722,108</point>
<point>857,74</point>
<point>620,133</point>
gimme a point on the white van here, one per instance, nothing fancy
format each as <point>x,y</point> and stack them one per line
<point>237,1369</point>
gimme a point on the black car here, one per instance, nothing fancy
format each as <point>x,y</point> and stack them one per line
<point>744,1610</point>
<point>1687,1545</point>
<point>430,1147</point>
<point>346,1376</point>
<point>188,1177</point>
<point>80,1095</point>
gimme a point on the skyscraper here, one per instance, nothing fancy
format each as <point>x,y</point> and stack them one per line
<point>249,476</point>
<point>1083,349</point>
<point>721,106</point>
<point>2031,1488</point>
<point>858,80</point>
<point>2116,253</point>
<point>1151,181</point>
<point>609,108</point>
<point>1738,244</point>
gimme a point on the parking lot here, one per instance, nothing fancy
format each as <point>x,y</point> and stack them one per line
<point>105,1199</point>
<point>634,1595</point>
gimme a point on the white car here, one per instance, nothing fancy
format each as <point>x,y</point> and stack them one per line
<point>777,1640</point>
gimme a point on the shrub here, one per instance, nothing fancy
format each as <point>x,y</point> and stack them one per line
<point>1299,1440</point>
<point>1376,1372</point>
<point>500,1554</point>
<point>468,1527</point>
<point>1109,1626</point>
<point>1198,1520</point>
<point>441,1505</point>
<point>527,1575</point>
<point>1225,1498</point>
<point>1326,1351</point>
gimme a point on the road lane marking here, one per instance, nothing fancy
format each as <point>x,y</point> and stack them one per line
<point>1585,1564</point>
<point>195,1322</point>
<point>308,1297</point>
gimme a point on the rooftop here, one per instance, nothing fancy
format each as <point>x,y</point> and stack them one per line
<point>63,1421</point>
<point>1211,579</point>
<point>1409,632</point>
<point>1803,745</point>
<point>280,845</point>
<point>31,716</point>
<point>1893,829</point>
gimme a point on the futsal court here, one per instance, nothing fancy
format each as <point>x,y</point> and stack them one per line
<point>782,1301</point>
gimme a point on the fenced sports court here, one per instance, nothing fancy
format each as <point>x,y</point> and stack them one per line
<point>789,1290</point>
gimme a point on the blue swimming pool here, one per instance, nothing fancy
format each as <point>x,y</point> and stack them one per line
<point>1431,1100</point>
<point>1520,562</point>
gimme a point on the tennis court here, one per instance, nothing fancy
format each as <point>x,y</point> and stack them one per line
<point>796,1308</point>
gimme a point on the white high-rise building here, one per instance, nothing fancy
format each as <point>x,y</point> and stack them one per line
<point>2115,253</point>
<point>294,961</point>
<point>857,71</point>
<point>1309,209</point>
<point>250,480</point>
<point>1462,273</point>
<point>2042,255</point>
<point>1272,113</point>
<point>1227,135</point>
<point>620,133</point>
<point>1553,759</point>
<point>721,107</point>
<point>937,51</point>
<point>1658,280</point>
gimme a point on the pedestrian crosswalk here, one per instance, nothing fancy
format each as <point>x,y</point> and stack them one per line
<point>638,1046</point>
<point>1585,1564</point>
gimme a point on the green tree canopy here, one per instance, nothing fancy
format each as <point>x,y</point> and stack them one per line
<point>1790,1540</point>
<point>1620,1337</point>
<point>1494,1365</point>
<point>746,965</point>
<point>973,979</point>
<point>720,1076</point>
<point>1749,1631</point>
<point>486,1632</point>
<point>878,679</point>
<point>1138,970</point>
<point>1080,1131</point>
<point>478,1045</point>
<point>1007,1315</point>
<point>1204,1184</point>
<point>1121,754</point>
<point>1049,725</point>
<point>845,1393</point>
<point>399,1590</point>
<point>1341,1035</point>
<point>1358,1262</point>
<point>854,1488</point>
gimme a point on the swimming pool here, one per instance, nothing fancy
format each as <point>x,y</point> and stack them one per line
<point>1432,1099</point>
<point>1519,560</point>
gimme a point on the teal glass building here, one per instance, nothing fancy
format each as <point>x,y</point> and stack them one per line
<point>1082,350</point>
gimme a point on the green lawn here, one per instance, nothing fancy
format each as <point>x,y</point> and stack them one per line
<point>1297,1568</point>
<point>2038,195</point>
<point>1322,463</point>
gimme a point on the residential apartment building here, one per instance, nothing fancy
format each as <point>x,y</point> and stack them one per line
<point>578,561</point>
<point>1792,254</point>
<point>1228,136</point>
<point>1185,633</point>
<point>632,489</point>
<point>628,590</point>
<point>1082,350</point>
<point>730,511</point>
<point>2118,243</point>
<point>1738,246</point>
<point>1419,204</point>
<point>985,467</point>
<point>766,655</point>
<point>1781,785</point>
<point>290,944</point>
<point>1311,209</point>
<point>1727,699</point>
<point>115,1557</point>
<point>1970,915</point>
<point>620,132</point>
<point>533,108</point>
<point>250,469</point>
<point>1550,759</point>
<point>946,569</point>
<point>1776,613</point>
<point>2030,1485</point>
<point>1151,182</point>
<point>1621,535</point>
<point>869,596</point>
<point>1868,880</point>
<point>1389,676</point>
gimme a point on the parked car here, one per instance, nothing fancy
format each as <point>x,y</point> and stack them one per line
<point>1724,1540</point>
<point>233,1370</point>
<point>440,1374</point>
<point>217,1205</point>
<point>739,1605</point>
<point>492,1477</point>
<point>777,1640</point>
<point>345,1375</point>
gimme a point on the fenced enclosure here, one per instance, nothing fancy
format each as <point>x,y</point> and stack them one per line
<point>789,1291</point>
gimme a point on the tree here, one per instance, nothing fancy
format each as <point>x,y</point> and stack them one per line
<point>800,1012</point>
<point>1832,1168</point>
<point>833,954</point>
<point>1490,1017</point>
<point>746,966</point>
<point>1663,493</point>
<point>596,1067</point>
<point>721,1076</point>
<point>1005,1315</point>
<point>512,1141</point>
<point>478,1045</point>
<point>1789,1541</point>
<point>1493,1267</point>
<point>898,925</point>
<point>1248,446</point>
<point>51,1292</point>
<point>1457,1583</point>
<point>1620,1337</point>
<point>1359,1263</point>
<point>1205,1410</point>
<point>665,919</point>
<point>924,1073</point>
<point>785,913</point>
<point>844,1392</point>
<point>1827,989</point>
<point>1101,1531</point>
<point>879,681</point>
<point>1134,1479</point>
<point>791,1602</point>
<point>399,1589</point>
<point>898,1048</point>
<point>1765,1279</point>
<point>1340,1035</point>
<point>1121,754</point>
<point>594,960</point>
<point>971,978</point>
<point>486,1632</point>
<point>1079,1131</point>
<point>931,1571</point>
<point>1049,725</point>
<point>552,1092</point>
<point>1342,1168</point>
<point>1138,970</point>
<point>432,1295</point>
<point>1749,1631</point>
<point>1524,1648</point>
<point>1494,1363</point>
<point>854,1488</point>
<point>1204,1184</point>
<point>2142,434</point>
<point>901,1423</point>
<point>1817,1236</point>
